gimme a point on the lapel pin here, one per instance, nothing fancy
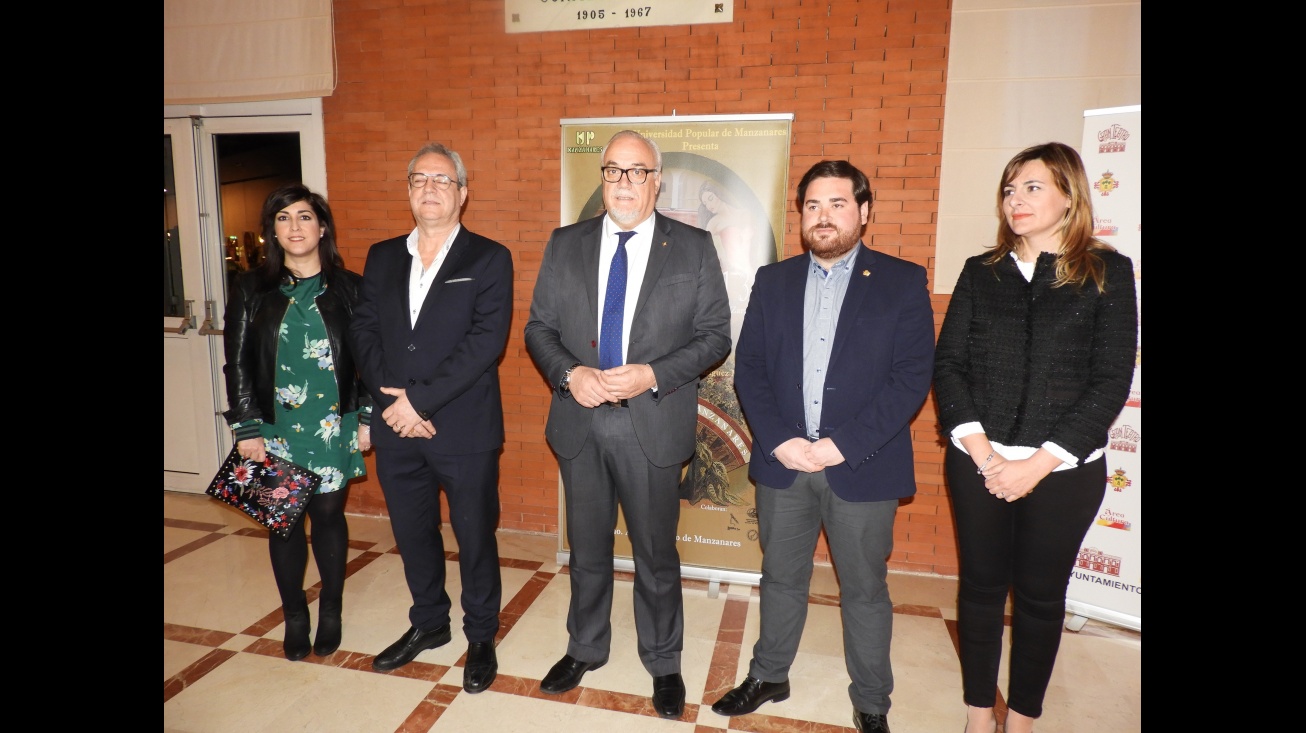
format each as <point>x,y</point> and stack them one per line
<point>866,273</point>
<point>664,244</point>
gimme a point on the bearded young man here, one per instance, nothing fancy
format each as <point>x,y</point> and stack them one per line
<point>833,362</point>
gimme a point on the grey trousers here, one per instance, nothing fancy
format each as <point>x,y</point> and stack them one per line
<point>860,535</point>
<point>611,470</point>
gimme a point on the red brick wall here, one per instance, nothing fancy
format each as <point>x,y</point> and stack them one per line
<point>864,80</point>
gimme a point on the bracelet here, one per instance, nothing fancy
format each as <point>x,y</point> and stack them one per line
<point>985,464</point>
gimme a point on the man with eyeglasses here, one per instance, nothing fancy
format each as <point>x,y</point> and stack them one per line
<point>629,310</point>
<point>430,328</point>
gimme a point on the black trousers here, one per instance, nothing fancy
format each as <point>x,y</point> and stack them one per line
<point>1027,547</point>
<point>411,477</point>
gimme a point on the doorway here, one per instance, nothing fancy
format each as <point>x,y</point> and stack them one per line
<point>220,163</point>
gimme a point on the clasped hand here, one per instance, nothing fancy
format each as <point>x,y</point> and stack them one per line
<point>592,387</point>
<point>402,417</point>
<point>803,455</point>
<point>1012,480</point>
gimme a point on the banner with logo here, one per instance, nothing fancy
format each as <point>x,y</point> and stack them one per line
<point>727,174</point>
<point>1107,582</point>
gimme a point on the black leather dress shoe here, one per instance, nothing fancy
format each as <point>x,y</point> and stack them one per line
<point>412,643</point>
<point>749,696</point>
<point>669,695</point>
<point>566,674</point>
<point>481,668</point>
<point>871,722</point>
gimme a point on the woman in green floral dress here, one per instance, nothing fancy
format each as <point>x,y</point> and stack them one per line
<point>294,392</point>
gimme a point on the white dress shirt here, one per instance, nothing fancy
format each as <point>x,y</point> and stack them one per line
<point>638,248</point>
<point>420,278</point>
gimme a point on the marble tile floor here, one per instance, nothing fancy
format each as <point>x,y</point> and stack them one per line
<point>224,672</point>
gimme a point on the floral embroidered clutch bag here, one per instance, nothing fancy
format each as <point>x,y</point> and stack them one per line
<point>275,493</point>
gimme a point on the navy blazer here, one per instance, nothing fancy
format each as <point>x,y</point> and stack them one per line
<point>449,360</point>
<point>880,367</point>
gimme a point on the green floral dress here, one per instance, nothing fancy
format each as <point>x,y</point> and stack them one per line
<point>309,428</point>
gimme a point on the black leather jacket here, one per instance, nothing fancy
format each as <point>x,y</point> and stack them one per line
<point>251,327</point>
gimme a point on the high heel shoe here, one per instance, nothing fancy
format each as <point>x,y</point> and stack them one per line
<point>328,627</point>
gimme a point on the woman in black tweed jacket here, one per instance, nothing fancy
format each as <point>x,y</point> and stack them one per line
<point>1034,362</point>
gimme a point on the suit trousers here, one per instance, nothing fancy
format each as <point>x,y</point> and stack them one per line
<point>860,535</point>
<point>411,475</point>
<point>612,469</point>
<point>1028,546</point>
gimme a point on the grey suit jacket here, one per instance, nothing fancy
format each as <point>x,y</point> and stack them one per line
<point>681,329</point>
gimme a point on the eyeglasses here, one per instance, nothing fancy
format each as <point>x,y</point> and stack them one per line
<point>637,176</point>
<point>441,181</point>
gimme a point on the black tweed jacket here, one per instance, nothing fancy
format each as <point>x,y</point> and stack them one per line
<point>1034,363</point>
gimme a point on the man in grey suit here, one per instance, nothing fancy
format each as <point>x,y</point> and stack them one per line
<point>630,309</point>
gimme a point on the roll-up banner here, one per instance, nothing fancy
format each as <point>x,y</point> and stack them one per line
<point>727,174</point>
<point>1107,582</point>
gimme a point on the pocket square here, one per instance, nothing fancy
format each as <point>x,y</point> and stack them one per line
<point>458,280</point>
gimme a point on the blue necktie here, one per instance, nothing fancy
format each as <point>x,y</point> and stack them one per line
<point>614,307</point>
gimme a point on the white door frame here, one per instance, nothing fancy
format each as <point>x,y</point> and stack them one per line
<point>195,433</point>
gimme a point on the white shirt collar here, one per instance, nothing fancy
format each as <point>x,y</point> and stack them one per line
<point>414,236</point>
<point>643,230</point>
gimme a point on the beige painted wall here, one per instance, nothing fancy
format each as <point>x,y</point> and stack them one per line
<point>1022,72</point>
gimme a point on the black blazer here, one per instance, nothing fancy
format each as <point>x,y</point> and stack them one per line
<point>449,361</point>
<point>1033,363</point>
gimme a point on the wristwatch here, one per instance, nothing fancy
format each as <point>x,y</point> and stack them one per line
<point>564,387</point>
